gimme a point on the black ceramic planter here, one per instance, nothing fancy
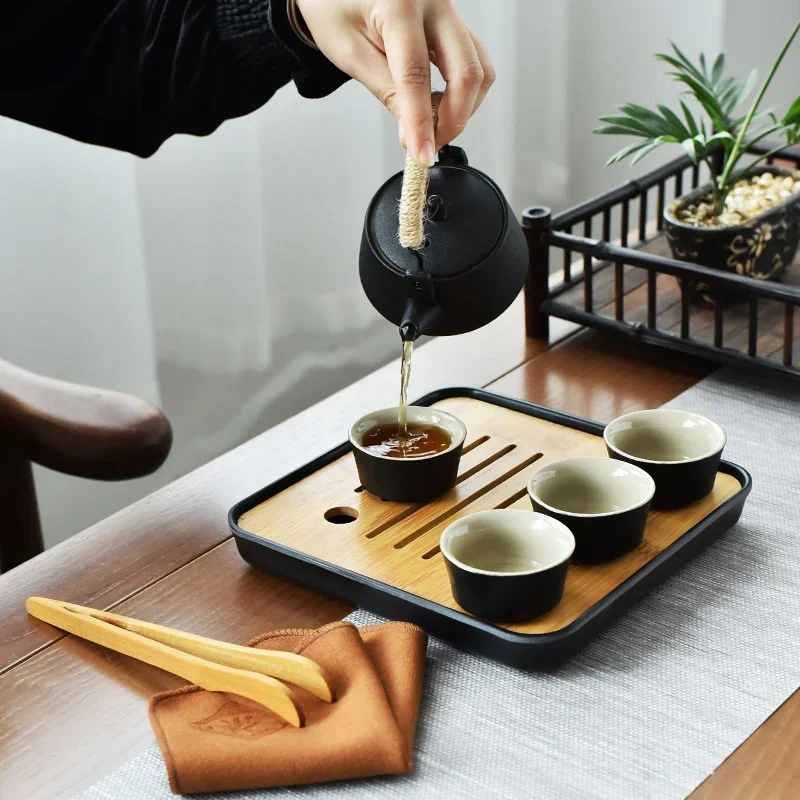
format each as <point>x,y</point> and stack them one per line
<point>409,480</point>
<point>507,565</point>
<point>680,451</point>
<point>604,506</point>
<point>763,248</point>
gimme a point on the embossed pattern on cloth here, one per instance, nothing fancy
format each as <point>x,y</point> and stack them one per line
<point>652,706</point>
<point>214,741</point>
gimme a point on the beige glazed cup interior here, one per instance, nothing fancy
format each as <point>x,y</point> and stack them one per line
<point>506,542</point>
<point>590,486</point>
<point>664,436</point>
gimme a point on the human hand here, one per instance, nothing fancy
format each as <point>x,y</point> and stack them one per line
<point>388,45</point>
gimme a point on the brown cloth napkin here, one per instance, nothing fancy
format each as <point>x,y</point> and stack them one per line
<point>213,741</point>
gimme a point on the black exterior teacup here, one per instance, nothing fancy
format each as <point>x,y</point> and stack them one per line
<point>408,480</point>
<point>679,450</point>
<point>507,565</point>
<point>603,502</point>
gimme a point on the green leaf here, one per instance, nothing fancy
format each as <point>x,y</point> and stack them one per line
<point>627,121</point>
<point>792,116</point>
<point>688,64</point>
<point>723,136</point>
<point>735,123</point>
<point>725,85</point>
<point>692,150</point>
<point>762,116</point>
<point>644,151</point>
<point>757,136</point>
<point>678,128</point>
<point>703,64</point>
<point>647,117</point>
<point>765,112</point>
<point>727,92</point>
<point>707,100</point>
<point>746,87</point>
<point>673,62</point>
<point>718,69</point>
<point>626,151</point>
<point>619,130</point>
<point>690,120</point>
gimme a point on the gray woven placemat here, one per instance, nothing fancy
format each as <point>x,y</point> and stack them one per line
<point>649,708</point>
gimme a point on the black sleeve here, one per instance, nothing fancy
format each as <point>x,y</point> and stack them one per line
<point>128,74</point>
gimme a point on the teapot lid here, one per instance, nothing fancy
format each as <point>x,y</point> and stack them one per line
<point>467,217</point>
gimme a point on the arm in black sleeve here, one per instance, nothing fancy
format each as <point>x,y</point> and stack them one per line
<point>128,74</point>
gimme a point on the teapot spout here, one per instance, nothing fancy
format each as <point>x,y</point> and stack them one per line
<point>419,316</point>
<point>409,332</point>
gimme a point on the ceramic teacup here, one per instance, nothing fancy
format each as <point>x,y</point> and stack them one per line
<point>507,565</point>
<point>681,451</point>
<point>603,502</point>
<point>408,480</point>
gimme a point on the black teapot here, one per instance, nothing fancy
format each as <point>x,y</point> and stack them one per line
<point>471,266</point>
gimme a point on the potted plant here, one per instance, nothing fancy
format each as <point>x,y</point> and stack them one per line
<point>747,220</point>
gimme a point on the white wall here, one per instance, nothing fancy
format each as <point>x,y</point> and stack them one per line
<point>70,261</point>
<point>749,45</point>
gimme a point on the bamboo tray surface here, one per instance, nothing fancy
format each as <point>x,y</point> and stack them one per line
<point>323,517</point>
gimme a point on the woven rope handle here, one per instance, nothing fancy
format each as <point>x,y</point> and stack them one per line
<point>414,194</point>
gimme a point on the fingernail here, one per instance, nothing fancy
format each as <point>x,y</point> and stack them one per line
<point>401,134</point>
<point>426,154</point>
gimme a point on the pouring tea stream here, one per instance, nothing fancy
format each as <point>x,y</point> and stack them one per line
<point>463,257</point>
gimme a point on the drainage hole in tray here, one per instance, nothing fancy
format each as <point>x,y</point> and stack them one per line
<point>341,515</point>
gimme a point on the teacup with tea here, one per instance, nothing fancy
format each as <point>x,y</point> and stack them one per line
<point>412,464</point>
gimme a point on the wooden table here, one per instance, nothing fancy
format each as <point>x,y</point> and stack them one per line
<point>71,712</point>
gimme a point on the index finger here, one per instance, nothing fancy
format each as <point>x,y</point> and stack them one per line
<point>410,65</point>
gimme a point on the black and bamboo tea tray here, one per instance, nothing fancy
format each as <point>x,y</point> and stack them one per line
<point>316,526</point>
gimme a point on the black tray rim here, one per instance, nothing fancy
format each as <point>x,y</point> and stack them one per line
<point>639,579</point>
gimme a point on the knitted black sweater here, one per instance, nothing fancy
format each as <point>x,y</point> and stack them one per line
<point>129,74</point>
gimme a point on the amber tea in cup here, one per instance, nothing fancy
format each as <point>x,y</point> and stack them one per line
<point>416,441</point>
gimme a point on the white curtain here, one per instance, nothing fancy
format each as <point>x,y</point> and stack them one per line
<point>74,295</point>
<point>220,277</point>
<point>251,235</point>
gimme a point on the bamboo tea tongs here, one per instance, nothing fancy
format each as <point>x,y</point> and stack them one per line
<point>213,665</point>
